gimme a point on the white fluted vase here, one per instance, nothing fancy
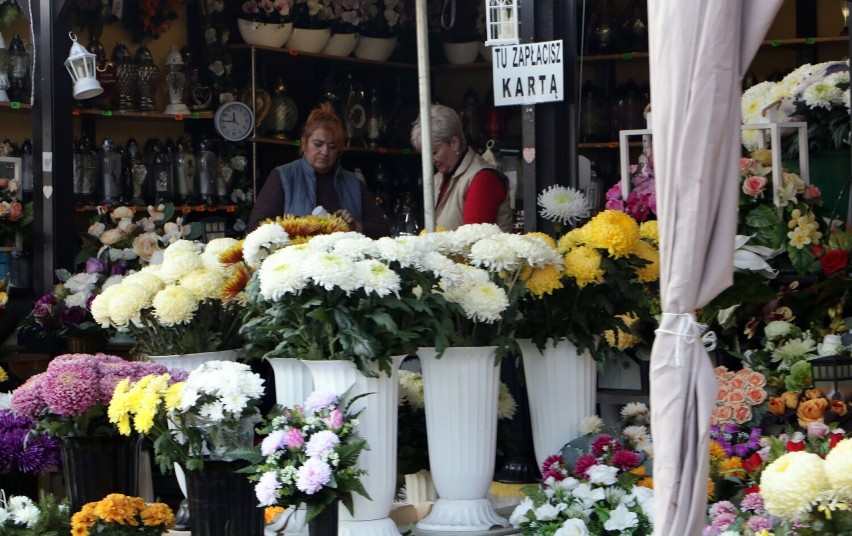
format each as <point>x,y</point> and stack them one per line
<point>377,424</point>
<point>460,390</point>
<point>293,384</point>
<point>561,389</point>
<point>419,487</point>
<point>190,362</point>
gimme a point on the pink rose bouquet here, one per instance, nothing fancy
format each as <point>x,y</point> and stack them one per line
<point>308,456</point>
<point>739,393</point>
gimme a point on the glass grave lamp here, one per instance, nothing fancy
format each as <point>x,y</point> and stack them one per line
<point>176,83</point>
<point>18,69</point>
<point>4,66</point>
<point>833,372</point>
<point>81,65</point>
<point>501,22</point>
<point>844,10</point>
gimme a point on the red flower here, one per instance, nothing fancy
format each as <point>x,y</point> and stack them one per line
<point>817,251</point>
<point>752,463</point>
<point>834,260</point>
<point>834,440</point>
<point>754,488</point>
<point>583,463</point>
<point>795,446</point>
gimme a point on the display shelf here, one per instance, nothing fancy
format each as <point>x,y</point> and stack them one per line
<point>297,54</point>
<point>117,114</point>
<point>16,105</point>
<point>184,209</point>
<point>607,145</point>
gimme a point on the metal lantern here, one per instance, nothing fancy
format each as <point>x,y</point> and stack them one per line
<point>110,173</point>
<point>4,66</point>
<point>836,371</point>
<point>501,22</point>
<point>82,66</point>
<point>18,69</point>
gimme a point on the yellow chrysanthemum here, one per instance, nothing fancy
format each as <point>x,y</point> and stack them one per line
<point>270,512</point>
<point>639,470</point>
<point>173,395</point>
<point>612,230</point>
<point>584,265</point>
<point>570,240</point>
<point>621,339</point>
<point>647,482</point>
<point>146,411</point>
<point>158,514</point>
<point>717,451</point>
<point>119,405</point>
<point>650,230</point>
<point>307,226</point>
<point>204,283</point>
<point>838,465</point>
<point>543,281</point>
<point>711,487</point>
<point>651,271</point>
<point>793,483</point>
<point>174,305</point>
<point>732,466</point>
<point>764,156</point>
<point>3,375</point>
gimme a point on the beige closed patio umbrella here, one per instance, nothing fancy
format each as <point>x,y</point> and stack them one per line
<point>699,51</point>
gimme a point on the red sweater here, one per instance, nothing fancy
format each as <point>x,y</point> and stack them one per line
<point>483,198</point>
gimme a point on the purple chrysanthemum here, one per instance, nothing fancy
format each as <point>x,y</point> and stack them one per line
<point>625,459</point>
<point>758,523</point>
<point>320,399</point>
<point>722,507</point>
<point>273,442</point>
<point>22,450</point>
<point>321,442</point>
<point>723,521</point>
<point>312,476</point>
<point>752,502</point>
<point>27,400</point>
<point>70,388</point>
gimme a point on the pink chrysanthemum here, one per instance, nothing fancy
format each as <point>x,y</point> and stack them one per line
<point>27,400</point>
<point>759,523</point>
<point>723,521</point>
<point>605,444</point>
<point>273,442</point>
<point>625,459</point>
<point>321,442</point>
<point>319,399</point>
<point>752,502</point>
<point>722,507</point>
<point>70,388</point>
<point>312,476</point>
<point>582,466</point>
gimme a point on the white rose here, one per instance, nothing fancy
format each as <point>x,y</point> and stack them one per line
<point>82,282</point>
<point>519,514</point>
<point>145,245</point>
<point>96,229</point>
<point>127,226</point>
<point>111,236</point>
<point>777,329</point>
<point>77,299</point>
<point>603,474</point>
<point>549,512</point>
<point>572,527</point>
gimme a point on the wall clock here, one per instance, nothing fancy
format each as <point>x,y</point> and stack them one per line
<point>234,121</point>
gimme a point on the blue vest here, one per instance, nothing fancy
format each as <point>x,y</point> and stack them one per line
<point>299,181</point>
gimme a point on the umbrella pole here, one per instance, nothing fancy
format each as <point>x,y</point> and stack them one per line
<point>425,115</point>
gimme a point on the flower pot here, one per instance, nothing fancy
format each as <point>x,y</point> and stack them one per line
<point>264,33</point>
<point>85,344</point>
<point>95,466</point>
<point>419,487</point>
<point>326,523</point>
<point>309,39</point>
<point>460,390</point>
<point>561,389</point>
<point>222,502</point>
<point>340,44</point>
<point>458,53</point>
<point>485,52</point>
<point>375,48</point>
<point>377,423</point>
<point>293,381</point>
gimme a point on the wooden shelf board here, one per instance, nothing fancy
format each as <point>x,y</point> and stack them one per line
<point>207,114</point>
<point>310,55</point>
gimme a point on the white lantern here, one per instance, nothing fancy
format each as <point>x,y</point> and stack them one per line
<point>501,22</point>
<point>81,65</point>
<point>175,80</point>
<point>4,73</point>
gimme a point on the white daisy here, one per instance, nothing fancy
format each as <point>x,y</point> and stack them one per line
<point>563,204</point>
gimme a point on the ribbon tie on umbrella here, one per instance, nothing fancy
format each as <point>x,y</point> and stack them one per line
<point>688,331</point>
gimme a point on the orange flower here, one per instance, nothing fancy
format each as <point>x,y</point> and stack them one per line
<point>232,255</point>
<point>839,407</point>
<point>270,512</point>
<point>711,487</point>
<point>647,482</point>
<point>811,411</point>
<point>811,394</point>
<point>236,284</point>
<point>732,466</point>
<point>639,470</point>
<point>776,406</point>
<point>716,450</point>
<point>791,399</point>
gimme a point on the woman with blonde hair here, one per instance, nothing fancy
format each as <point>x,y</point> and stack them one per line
<point>467,188</point>
<point>317,180</point>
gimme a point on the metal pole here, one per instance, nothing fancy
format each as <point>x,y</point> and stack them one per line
<point>425,115</point>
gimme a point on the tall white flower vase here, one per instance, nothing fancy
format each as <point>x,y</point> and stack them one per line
<point>460,390</point>
<point>561,389</point>
<point>190,362</point>
<point>293,384</point>
<point>377,423</point>
<point>419,487</point>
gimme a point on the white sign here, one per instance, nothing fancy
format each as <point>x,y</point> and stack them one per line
<point>528,73</point>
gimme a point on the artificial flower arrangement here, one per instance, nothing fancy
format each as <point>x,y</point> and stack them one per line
<point>205,415</point>
<point>120,515</point>
<point>312,14</point>
<point>641,202</point>
<point>150,18</point>
<point>176,307</point>
<point>114,245</point>
<point>599,484</point>
<point>267,11</point>
<point>740,394</point>
<point>412,446</point>
<point>384,18</point>
<point>817,94</point>
<point>348,15</point>
<point>22,450</point>
<point>21,516</point>
<point>605,284</point>
<point>796,410</point>
<point>309,455</point>
<point>70,398</point>
<point>15,216</point>
<point>731,449</point>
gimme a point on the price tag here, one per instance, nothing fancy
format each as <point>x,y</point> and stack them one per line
<point>15,105</point>
<point>194,115</point>
<point>200,208</point>
<point>231,208</point>
<point>186,209</point>
<point>627,56</point>
<point>106,113</point>
<point>612,144</point>
<point>75,112</point>
<point>776,42</point>
<point>178,117</point>
<point>294,52</point>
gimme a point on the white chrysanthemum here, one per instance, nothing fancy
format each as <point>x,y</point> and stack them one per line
<point>822,94</point>
<point>147,278</point>
<point>111,280</point>
<point>214,248</point>
<point>458,242</point>
<point>793,351</point>
<point>182,247</point>
<point>100,306</point>
<point>264,240</point>
<point>356,247</point>
<point>753,101</point>
<point>27,514</point>
<point>637,437</point>
<point>204,284</point>
<point>213,411</point>
<point>495,253</point>
<point>328,242</point>
<point>376,278</point>
<point>174,305</point>
<point>440,265</point>
<point>536,251</point>
<point>126,304</point>
<point>506,405</point>
<point>329,271</point>
<point>838,466</point>
<point>281,274</point>
<point>176,267</point>
<point>590,425</point>
<point>635,411</point>
<point>793,483</point>
<point>482,302</point>
<point>411,388</point>
<point>563,204</point>
<point>438,242</point>
<point>403,250</point>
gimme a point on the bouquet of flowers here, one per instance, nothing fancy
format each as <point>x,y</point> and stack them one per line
<point>149,18</point>
<point>348,15</point>
<point>21,516</point>
<point>207,416</point>
<point>309,455</point>
<point>15,216</point>
<point>801,410</point>
<point>312,13</point>
<point>749,517</point>
<point>268,11</point>
<point>641,202</point>
<point>731,467</point>
<point>23,450</point>
<point>383,18</point>
<point>604,286</point>
<point>817,94</point>
<point>120,515</point>
<point>740,392</point>
<point>175,307</point>
<point>71,397</point>
<point>604,490</point>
